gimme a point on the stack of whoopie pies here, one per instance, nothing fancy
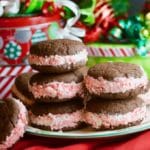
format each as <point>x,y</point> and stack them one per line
<point>58,86</point>
<point>64,93</point>
<point>115,88</point>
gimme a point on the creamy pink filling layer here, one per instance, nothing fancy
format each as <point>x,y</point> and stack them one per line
<point>119,84</point>
<point>19,129</point>
<point>59,90</point>
<point>59,121</point>
<point>145,97</point>
<point>56,60</point>
<point>110,121</point>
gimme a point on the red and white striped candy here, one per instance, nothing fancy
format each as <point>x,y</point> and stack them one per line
<point>111,52</point>
<point>7,77</point>
<point>103,12</point>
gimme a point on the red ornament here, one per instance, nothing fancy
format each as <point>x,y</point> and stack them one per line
<point>93,34</point>
<point>49,8</point>
<point>104,20</point>
<point>27,3</point>
<point>147,7</point>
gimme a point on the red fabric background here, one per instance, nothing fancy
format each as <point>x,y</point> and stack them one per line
<point>140,141</point>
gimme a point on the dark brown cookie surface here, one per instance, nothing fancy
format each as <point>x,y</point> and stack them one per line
<point>126,95</point>
<point>76,76</point>
<point>9,111</point>
<point>57,47</point>
<point>113,106</point>
<point>55,100</point>
<point>21,84</point>
<point>57,108</point>
<point>110,70</point>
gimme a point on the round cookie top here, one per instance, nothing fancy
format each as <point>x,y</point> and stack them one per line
<point>111,70</point>
<point>21,83</point>
<point>76,76</point>
<point>113,106</point>
<point>57,47</point>
<point>9,111</point>
<point>57,108</point>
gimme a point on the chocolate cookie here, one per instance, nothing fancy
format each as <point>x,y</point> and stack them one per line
<point>146,95</point>
<point>57,88</point>
<point>58,56</point>
<point>57,116</point>
<point>112,114</point>
<point>13,117</point>
<point>21,91</point>
<point>116,80</point>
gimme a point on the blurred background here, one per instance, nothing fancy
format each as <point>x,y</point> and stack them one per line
<point>113,30</point>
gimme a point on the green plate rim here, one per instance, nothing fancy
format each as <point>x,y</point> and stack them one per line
<point>88,134</point>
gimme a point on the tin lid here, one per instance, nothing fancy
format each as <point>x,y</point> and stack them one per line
<point>16,22</point>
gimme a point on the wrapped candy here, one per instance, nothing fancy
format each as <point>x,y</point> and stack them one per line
<point>104,17</point>
<point>104,13</point>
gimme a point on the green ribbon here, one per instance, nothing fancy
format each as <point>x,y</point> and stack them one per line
<point>34,6</point>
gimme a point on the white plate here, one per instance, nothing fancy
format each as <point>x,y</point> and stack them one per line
<point>89,133</point>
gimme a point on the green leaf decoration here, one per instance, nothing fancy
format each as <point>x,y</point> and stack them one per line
<point>86,9</point>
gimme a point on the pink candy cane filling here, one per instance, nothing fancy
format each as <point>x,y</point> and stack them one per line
<point>110,121</point>
<point>118,85</point>
<point>55,60</point>
<point>56,90</point>
<point>19,129</point>
<point>145,97</point>
<point>59,121</point>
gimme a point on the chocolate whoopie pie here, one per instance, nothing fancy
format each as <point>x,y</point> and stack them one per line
<point>146,95</point>
<point>21,91</point>
<point>13,118</point>
<point>57,116</point>
<point>57,56</point>
<point>113,114</point>
<point>116,80</point>
<point>57,88</point>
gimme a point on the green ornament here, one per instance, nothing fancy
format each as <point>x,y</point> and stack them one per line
<point>147,20</point>
<point>116,32</point>
<point>122,23</point>
<point>144,33</point>
<point>12,50</point>
<point>133,31</point>
<point>148,44</point>
<point>128,24</point>
<point>147,17</point>
<point>139,18</point>
<point>87,11</point>
<point>142,51</point>
<point>140,42</point>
